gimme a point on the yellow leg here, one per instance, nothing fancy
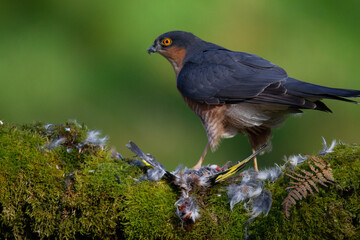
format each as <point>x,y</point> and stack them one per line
<point>198,164</point>
<point>255,161</point>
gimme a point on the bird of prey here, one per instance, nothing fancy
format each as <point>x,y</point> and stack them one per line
<point>236,92</point>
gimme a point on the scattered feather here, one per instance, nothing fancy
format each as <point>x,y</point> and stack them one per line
<point>93,138</point>
<point>271,174</point>
<point>237,194</point>
<point>256,199</point>
<point>260,204</point>
<point>55,143</point>
<point>75,123</point>
<point>250,191</point>
<point>327,149</point>
<point>68,136</point>
<point>155,174</point>
<point>116,155</point>
<point>295,160</point>
<point>117,179</point>
<point>49,128</point>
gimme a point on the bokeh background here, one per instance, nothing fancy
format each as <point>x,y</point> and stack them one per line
<point>87,60</point>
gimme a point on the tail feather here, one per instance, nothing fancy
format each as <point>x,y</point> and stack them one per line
<point>322,106</point>
<point>303,89</point>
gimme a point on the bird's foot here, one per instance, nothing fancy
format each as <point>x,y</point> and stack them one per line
<point>198,164</point>
<point>255,161</point>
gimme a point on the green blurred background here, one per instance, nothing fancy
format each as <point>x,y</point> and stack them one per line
<point>87,60</point>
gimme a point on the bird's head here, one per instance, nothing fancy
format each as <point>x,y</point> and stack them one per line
<point>168,42</point>
<point>174,47</point>
<point>178,46</point>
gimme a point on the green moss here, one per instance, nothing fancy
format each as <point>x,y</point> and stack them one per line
<point>77,190</point>
<point>58,194</point>
<point>333,213</point>
<point>154,201</point>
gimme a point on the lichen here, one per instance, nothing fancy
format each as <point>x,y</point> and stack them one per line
<point>75,189</point>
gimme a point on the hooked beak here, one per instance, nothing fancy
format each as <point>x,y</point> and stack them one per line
<point>151,50</point>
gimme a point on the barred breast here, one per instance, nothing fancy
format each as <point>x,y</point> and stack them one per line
<point>212,118</point>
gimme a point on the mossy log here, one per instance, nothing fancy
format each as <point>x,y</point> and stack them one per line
<point>79,190</point>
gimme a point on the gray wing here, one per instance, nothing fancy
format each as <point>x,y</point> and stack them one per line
<point>226,77</point>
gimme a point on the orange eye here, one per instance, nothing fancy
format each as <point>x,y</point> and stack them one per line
<point>166,42</point>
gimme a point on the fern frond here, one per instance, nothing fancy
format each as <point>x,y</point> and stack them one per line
<point>319,178</point>
<point>328,175</point>
<point>307,186</point>
<point>313,185</point>
<point>305,181</point>
<point>297,174</point>
<point>302,190</point>
<point>291,187</point>
<point>319,162</point>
